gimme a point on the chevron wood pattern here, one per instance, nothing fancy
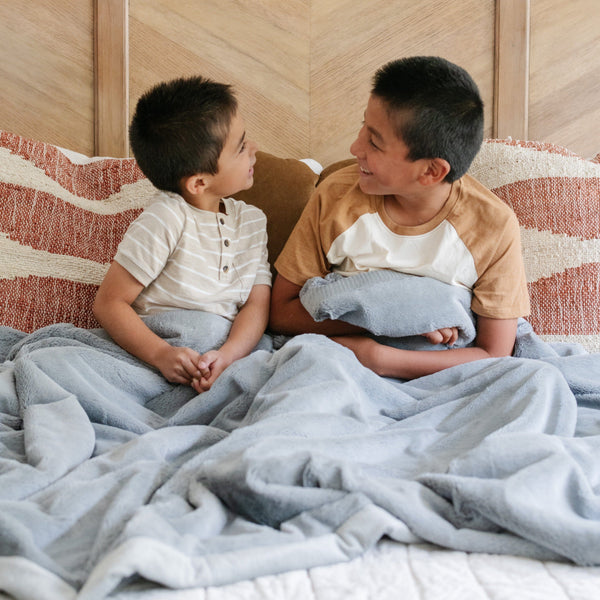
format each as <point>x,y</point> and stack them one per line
<point>351,40</point>
<point>302,68</point>
<point>46,70</point>
<point>261,47</point>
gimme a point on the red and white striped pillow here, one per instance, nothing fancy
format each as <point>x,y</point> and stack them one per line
<point>62,216</point>
<point>556,197</point>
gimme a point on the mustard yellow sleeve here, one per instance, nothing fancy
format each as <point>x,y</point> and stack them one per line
<point>501,290</point>
<point>303,255</point>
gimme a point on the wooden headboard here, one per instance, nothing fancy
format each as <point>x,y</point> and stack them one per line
<point>72,71</point>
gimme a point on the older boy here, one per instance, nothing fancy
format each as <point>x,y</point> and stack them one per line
<point>407,205</point>
<point>195,247</point>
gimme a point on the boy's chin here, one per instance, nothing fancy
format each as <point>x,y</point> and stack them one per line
<point>366,187</point>
<point>249,183</point>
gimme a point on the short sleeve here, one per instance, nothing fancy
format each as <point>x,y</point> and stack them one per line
<point>303,255</point>
<point>501,290</point>
<point>148,243</point>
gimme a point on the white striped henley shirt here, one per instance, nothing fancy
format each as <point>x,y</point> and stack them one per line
<point>187,258</point>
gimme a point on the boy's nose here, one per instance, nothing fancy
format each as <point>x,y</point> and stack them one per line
<point>355,147</point>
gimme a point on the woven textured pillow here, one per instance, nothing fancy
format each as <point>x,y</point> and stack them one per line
<point>62,216</point>
<point>556,197</point>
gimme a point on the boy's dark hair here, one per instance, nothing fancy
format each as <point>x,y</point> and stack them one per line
<point>436,107</point>
<point>179,128</point>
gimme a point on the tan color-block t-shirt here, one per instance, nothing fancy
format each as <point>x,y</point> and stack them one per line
<point>473,242</point>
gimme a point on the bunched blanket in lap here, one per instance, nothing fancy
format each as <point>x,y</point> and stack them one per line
<point>395,307</point>
<point>295,458</point>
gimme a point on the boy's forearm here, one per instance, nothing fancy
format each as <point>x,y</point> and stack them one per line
<point>126,328</point>
<point>292,318</point>
<point>411,364</point>
<point>249,325</point>
<point>495,338</point>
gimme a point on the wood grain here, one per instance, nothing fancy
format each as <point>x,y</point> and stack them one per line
<point>351,40</point>
<point>564,99</point>
<point>511,89</point>
<point>46,69</point>
<point>260,47</point>
<point>111,81</point>
<point>302,69</point>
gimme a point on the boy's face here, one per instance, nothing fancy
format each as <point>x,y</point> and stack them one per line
<point>382,156</point>
<point>236,161</point>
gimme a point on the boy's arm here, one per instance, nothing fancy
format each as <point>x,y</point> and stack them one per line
<point>247,329</point>
<point>112,308</point>
<point>495,338</point>
<point>289,317</point>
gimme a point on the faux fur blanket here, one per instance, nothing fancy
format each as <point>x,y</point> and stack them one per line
<point>296,457</point>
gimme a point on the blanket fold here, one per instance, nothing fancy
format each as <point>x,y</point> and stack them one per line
<point>413,305</point>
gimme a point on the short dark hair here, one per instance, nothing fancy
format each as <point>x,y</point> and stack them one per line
<point>179,128</point>
<point>436,107</point>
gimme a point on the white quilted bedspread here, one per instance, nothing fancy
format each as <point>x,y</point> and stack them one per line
<point>393,571</point>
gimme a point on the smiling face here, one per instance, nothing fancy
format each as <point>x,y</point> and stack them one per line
<point>236,162</point>
<point>382,156</point>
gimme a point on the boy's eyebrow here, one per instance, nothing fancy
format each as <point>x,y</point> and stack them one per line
<point>371,130</point>
<point>375,133</point>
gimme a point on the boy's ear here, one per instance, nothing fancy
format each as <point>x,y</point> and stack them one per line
<point>195,184</point>
<point>435,172</point>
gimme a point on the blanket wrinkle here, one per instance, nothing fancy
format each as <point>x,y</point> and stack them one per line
<point>297,457</point>
<point>357,299</point>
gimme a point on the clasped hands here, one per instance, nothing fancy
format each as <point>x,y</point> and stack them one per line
<point>186,366</point>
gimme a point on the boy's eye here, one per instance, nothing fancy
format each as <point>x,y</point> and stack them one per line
<point>371,142</point>
<point>243,146</point>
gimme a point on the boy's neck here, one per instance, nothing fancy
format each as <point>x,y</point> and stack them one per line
<point>417,210</point>
<point>204,202</point>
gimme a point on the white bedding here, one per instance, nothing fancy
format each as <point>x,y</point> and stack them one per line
<point>393,571</point>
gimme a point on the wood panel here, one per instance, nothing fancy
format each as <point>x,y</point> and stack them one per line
<point>261,47</point>
<point>350,40</point>
<point>111,77</point>
<point>302,68</point>
<point>564,85</point>
<point>46,69</point>
<point>511,87</point>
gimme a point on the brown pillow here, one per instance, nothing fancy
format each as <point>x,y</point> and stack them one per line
<point>282,187</point>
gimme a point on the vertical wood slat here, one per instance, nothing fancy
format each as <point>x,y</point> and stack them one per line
<point>511,89</point>
<point>111,80</point>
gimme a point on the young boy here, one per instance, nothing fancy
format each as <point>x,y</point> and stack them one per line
<point>195,247</point>
<point>407,205</point>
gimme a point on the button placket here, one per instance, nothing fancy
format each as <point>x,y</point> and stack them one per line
<point>225,266</point>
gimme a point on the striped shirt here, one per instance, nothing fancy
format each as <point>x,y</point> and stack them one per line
<point>187,258</point>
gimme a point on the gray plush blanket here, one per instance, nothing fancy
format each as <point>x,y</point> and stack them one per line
<point>296,457</point>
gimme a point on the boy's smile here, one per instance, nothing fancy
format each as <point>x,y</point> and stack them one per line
<point>382,157</point>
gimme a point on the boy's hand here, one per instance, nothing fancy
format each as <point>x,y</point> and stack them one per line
<point>178,365</point>
<point>210,365</point>
<point>446,335</point>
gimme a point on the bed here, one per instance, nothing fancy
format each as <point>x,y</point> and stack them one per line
<point>302,474</point>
